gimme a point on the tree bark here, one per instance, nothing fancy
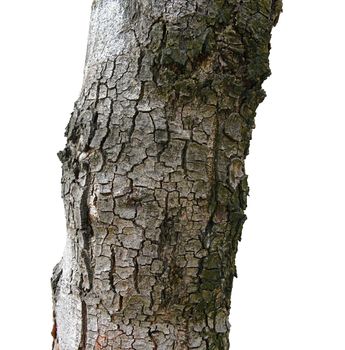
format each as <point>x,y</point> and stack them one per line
<point>153,183</point>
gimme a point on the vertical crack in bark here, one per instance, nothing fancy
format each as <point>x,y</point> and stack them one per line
<point>84,327</point>
<point>112,270</point>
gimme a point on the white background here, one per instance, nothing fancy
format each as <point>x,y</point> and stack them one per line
<point>291,288</point>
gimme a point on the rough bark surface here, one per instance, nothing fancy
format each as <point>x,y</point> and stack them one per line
<point>153,180</point>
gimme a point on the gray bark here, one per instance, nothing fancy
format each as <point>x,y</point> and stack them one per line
<point>153,183</point>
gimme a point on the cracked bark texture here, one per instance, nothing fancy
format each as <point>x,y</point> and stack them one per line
<point>153,183</point>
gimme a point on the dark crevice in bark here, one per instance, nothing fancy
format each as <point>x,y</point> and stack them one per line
<point>112,270</point>
<point>82,345</point>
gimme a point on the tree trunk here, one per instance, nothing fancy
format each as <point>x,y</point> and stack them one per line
<point>153,180</point>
